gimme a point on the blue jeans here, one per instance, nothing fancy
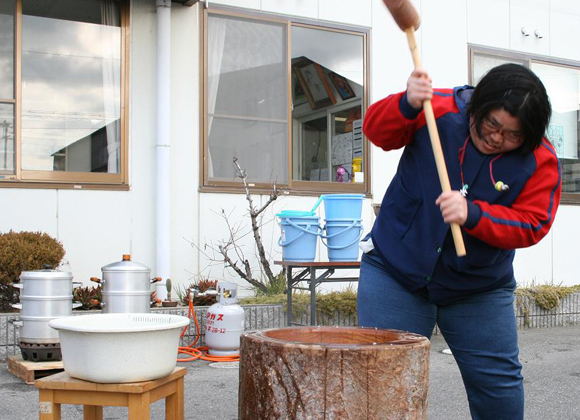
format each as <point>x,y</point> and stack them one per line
<point>479,329</point>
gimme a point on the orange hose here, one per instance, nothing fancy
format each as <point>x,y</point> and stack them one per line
<point>199,352</point>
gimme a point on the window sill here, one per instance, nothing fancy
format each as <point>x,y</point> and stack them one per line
<point>572,199</point>
<point>282,190</point>
<point>63,186</point>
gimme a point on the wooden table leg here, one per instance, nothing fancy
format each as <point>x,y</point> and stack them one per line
<point>139,406</point>
<point>48,409</point>
<point>174,403</point>
<point>93,412</point>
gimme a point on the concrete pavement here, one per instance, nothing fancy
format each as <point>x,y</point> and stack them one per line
<point>551,360</point>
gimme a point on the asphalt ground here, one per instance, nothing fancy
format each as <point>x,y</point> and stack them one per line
<point>551,360</point>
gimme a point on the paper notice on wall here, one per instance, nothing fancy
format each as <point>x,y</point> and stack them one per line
<point>315,175</point>
<point>342,149</point>
<point>324,174</point>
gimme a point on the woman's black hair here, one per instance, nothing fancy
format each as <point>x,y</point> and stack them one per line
<point>520,92</point>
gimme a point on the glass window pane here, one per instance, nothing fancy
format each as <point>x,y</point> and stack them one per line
<point>7,138</point>
<point>563,86</point>
<point>71,78</point>
<point>327,94</point>
<point>260,146</point>
<point>483,63</point>
<point>247,99</point>
<point>7,49</point>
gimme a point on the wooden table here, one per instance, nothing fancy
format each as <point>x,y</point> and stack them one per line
<point>62,389</point>
<point>308,274</point>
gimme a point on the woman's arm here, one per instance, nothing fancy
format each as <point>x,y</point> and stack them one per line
<point>530,216</point>
<point>391,122</point>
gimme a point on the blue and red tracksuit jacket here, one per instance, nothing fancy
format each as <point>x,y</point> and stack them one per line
<point>414,242</point>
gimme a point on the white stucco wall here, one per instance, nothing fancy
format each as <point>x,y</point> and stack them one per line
<point>96,227</point>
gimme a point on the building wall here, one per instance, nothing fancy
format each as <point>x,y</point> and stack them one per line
<point>96,227</point>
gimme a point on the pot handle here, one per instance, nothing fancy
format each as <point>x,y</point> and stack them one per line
<point>77,284</point>
<point>76,305</point>
<point>18,324</point>
<point>103,304</point>
<point>16,285</point>
<point>96,279</point>
<point>17,305</point>
<point>155,279</point>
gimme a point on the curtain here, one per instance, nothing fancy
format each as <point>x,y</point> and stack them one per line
<point>111,93</point>
<point>216,42</point>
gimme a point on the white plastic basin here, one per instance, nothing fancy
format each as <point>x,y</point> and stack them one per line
<point>116,348</point>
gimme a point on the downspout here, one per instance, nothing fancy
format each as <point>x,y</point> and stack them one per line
<point>163,146</point>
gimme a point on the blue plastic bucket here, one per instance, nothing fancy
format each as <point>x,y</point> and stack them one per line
<point>342,238</point>
<point>343,206</point>
<point>299,236</point>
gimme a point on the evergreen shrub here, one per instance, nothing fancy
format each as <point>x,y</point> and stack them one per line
<point>24,251</point>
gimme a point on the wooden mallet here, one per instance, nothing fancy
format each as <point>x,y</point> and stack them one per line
<point>408,20</point>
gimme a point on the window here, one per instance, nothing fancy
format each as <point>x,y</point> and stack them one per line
<point>287,99</point>
<point>62,113</point>
<point>562,81</point>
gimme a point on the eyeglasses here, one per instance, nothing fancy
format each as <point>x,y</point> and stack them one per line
<point>493,127</point>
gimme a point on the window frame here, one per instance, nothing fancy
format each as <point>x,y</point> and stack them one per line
<point>292,186</point>
<point>21,178</point>
<point>527,59</point>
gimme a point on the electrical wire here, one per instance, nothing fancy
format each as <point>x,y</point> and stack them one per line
<point>199,352</point>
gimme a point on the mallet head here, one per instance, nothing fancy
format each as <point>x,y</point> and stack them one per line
<point>404,13</point>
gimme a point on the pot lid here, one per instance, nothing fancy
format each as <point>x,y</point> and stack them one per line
<point>45,274</point>
<point>126,265</point>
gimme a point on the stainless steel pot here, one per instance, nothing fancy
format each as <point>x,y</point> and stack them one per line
<point>46,283</point>
<point>126,286</point>
<point>44,295</point>
<point>126,302</point>
<point>35,330</point>
<point>53,306</point>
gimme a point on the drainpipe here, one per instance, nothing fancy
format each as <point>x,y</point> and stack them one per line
<point>163,146</point>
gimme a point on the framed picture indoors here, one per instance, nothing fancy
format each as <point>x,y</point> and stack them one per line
<point>342,86</point>
<point>298,94</point>
<point>314,83</point>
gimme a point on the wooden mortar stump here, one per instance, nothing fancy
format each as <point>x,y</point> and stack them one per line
<point>333,373</point>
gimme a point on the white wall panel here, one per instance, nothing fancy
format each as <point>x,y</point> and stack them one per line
<point>444,42</point>
<point>565,6</point>
<point>391,65</point>
<point>488,23</point>
<point>215,209</point>
<point>28,210</point>
<point>566,255</point>
<point>533,265</point>
<point>346,11</point>
<point>143,131</point>
<point>95,230</point>
<point>564,35</point>
<point>304,9</point>
<point>185,97</point>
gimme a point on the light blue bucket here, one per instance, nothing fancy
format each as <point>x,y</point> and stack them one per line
<point>343,206</point>
<point>342,238</point>
<point>299,235</point>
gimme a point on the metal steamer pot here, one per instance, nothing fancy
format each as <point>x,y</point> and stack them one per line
<point>44,295</point>
<point>126,286</point>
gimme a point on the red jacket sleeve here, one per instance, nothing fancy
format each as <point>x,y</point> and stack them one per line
<point>531,215</point>
<point>386,127</point>
<point>391,122</point>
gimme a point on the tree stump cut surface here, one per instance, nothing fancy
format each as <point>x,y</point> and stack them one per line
<point>333,373</point>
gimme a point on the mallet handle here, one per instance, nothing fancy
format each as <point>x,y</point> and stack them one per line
<point>436,143</point>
